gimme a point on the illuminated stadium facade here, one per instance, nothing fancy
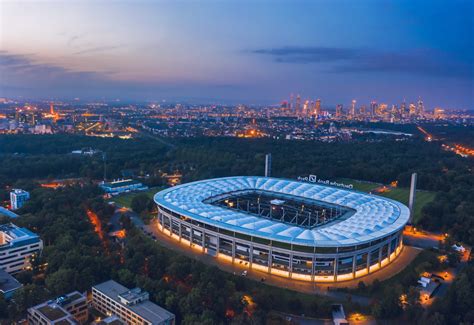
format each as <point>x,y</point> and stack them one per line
<point>299,230</point>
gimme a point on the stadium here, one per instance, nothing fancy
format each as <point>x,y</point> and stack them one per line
<point>302,231</point>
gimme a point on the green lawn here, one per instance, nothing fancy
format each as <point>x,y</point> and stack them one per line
<point>398,194</point>
<point>125,200</point>
<point>402,195</point>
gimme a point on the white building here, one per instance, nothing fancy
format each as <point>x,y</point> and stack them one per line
<point>130,306</point>
<point>122,186</point>
<point>17,247</point>
<point>18,198</point>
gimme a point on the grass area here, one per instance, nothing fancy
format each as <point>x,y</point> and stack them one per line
<point>398,194</point>
<point>359,185</point>
<point>125,200</point>
<point>402,195</point>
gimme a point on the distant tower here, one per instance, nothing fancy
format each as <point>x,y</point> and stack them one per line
<point>411,202</point>
<point>298,105</point>
<point>421,107</point>
<point>403,108</point>
<point>353,108</point>
<point>51,108</point>
<point>268,164</point>
<point>373,108</point>
<point>317,108</point>
<point>339,110</point>
<point>412,109</point>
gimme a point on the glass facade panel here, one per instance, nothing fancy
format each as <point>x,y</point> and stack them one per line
<point>374,257</point>
<point>324,266</point>
<point>345,265</point>
<point>281,261</point>
<point>302,264</point>
<point>361,261</point>
<point>260,256</point>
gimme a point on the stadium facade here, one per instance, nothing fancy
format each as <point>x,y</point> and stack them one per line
<point>298,230</point>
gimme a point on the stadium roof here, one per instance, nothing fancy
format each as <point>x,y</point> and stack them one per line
<point>374,216</point>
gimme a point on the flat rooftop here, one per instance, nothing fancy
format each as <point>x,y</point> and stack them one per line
<point>11,235</point>
<point>8,282</point>
<point>120,183</point>
<point>146,309</point>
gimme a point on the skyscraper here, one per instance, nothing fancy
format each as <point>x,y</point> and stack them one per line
<point>317,108</point>
<point>298,105</point>
<point>352,112</point>
<point>403,109</point>
<point>412,108</point>
<point>420,108</point>
<point>373,108</point>
<point>339,111</point>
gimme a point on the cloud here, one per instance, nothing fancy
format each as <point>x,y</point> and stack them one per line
<point>25,71</point>
<point>298,54</point>
<point>350,60</point>
<point>23,75</point>
<point>72,39</point>
<point>97,49</point>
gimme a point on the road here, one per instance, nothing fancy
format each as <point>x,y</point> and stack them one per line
<point>421,239</point>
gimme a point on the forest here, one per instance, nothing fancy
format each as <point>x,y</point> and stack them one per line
<point>76,258</point>
<point>27,159</point>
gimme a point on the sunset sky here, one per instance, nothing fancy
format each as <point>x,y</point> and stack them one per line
<point>240,51</point>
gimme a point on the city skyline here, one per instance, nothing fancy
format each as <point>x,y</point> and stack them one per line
<point>247,52</point>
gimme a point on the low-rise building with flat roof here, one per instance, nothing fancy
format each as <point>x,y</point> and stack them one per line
<point>8,285</point>
<point>71,308</point>
<point>122,186</point>
<point>131,306</point>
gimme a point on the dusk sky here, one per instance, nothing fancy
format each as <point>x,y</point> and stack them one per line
<point>240,51</point>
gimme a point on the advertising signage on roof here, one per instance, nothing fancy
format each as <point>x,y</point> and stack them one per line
<point>314,179</point>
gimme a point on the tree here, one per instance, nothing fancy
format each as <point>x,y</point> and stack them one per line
<point>141,202</point>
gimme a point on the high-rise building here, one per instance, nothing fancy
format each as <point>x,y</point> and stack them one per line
<point>18,198</point>
<point>317,108</point>
<point>339,110</point>
<point>352,112</point>
<point>298,105</point>
<point>306,108</point>
<point>412,109</point>
<point>373,108</point>
<point>420,108</point>
<point>403,109</point>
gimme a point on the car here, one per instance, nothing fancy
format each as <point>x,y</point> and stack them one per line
<point>244,273</point>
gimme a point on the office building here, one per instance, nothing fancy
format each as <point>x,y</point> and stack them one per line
<point>67,309</point>
<point>18,246</point>
<point>18,198</point>
<point>339,111</point>
<point>317,108</point>
<point>131,306</point>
